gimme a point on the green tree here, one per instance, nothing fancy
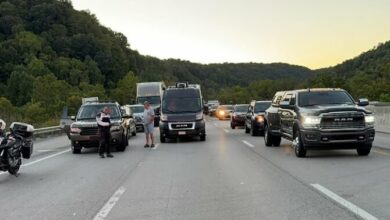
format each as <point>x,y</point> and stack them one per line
<point>125,90</point>
<point>20,86</point>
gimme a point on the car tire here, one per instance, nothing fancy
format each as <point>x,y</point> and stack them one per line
<point>247,130</point>
<point>299,148</point>
<point>232,125</point>
<point>276,141</point>
<point>75,150</point>
<point>253,131</point>
<point>203,137</point>
<point>268,137</point>
<point>364,150</point>
<point>162,138</point>
<point>134,133</point>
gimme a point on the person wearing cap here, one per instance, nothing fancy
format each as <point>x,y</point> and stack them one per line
<point>148,124</point>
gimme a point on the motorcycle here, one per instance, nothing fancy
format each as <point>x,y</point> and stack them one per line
<point>16,145</point>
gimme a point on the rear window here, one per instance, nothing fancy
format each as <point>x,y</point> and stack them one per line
<point>182,93</point>
<point>182,101</point>
<point>313,98</point>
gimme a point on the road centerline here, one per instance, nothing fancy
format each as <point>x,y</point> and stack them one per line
<point>350,206</point>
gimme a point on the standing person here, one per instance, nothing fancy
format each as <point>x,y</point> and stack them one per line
<point>104,123</point>
<point>148,124</point>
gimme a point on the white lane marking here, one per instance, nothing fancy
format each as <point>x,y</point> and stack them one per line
<point>39,160</point>
<point>155,146</point>
<point>247,143</point>
<point>46,150</point>
<point>102,214</point>
<point>45,158</point>
<point>226,130</point>
<point>215,124</point>
<point>351,207</point>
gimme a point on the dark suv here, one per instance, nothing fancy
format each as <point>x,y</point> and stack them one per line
<point>84,130</point>
<point>254,123</point>
<point>321,118</point>
<point>182,112</point>
<point>238,115</point>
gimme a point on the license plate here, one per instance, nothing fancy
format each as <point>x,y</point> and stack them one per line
<point>182,133</point>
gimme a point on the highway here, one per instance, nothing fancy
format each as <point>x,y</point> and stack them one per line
<point>231,175</point>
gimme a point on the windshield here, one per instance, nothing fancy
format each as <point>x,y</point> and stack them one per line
<point>137,109</point>
<point>226,107</point>
<point>262,106</point>
<point>241,108</point>
<point>324,98</point>
<point>90,111</point>
<point>153,100</point>
<point>181,105</point>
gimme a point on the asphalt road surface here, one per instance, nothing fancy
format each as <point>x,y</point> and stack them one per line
<point>229,176</point>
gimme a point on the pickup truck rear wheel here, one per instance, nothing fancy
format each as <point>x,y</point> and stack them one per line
<point>299,149</point>
<point>364,150</point>
<point>268,138</point>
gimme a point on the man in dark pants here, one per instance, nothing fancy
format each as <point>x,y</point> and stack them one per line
<point>104,123</point>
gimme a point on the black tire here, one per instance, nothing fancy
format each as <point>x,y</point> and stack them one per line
<point>299,149</point>
<point>364,150</point>
<point>268,137</point>
<point>123,144</point>
<point>75,149</point>
<point>247,130</point>
<point>276,141</point>
<point>233,126</point>
<point>162,138</point>
<point>203,137</point>
<point>134,133</point>
<point>14,170</point>
<point>253,131</point>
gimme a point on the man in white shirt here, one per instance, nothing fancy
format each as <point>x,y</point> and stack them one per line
<point>148,124</point>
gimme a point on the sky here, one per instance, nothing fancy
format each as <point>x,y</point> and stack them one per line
<point>312,33</point>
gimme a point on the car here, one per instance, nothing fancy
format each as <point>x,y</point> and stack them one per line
<point>254,121</point>
<point>84,131</point>
<point>212,110</point>
<point>129,121</point>
<point>224,112</point>
<point>322,119</point>
<point>138,114</point>
<point>182,113</point>
<point>238,115</point>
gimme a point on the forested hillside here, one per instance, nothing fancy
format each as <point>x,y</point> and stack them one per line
<point>52,55</point>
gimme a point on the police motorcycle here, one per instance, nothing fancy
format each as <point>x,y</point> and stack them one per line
<point>15,145</point>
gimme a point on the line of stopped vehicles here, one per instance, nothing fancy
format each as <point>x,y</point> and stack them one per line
<point>323,118</point>
<point>326,118</point>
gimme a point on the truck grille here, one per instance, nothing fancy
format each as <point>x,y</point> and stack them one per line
<point>353,120</point>
<point>89,131</point>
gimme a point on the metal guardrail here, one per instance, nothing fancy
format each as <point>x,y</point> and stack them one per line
<point>47,130</point>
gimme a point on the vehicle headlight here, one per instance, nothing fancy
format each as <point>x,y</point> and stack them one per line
<point>370,120</point>
<point>115,128</point>
<point>311,121</point>
<point>199,116</point>
<point>163,117</point>
<point>260,118</point>
<point>222,113</point>
<point>75,130</point>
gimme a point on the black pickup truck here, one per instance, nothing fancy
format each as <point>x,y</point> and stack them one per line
<point>319,119</point>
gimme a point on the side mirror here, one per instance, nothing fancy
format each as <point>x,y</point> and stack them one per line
<point>285,104</point>
<point>363,102</point>
<point>72,117</point>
